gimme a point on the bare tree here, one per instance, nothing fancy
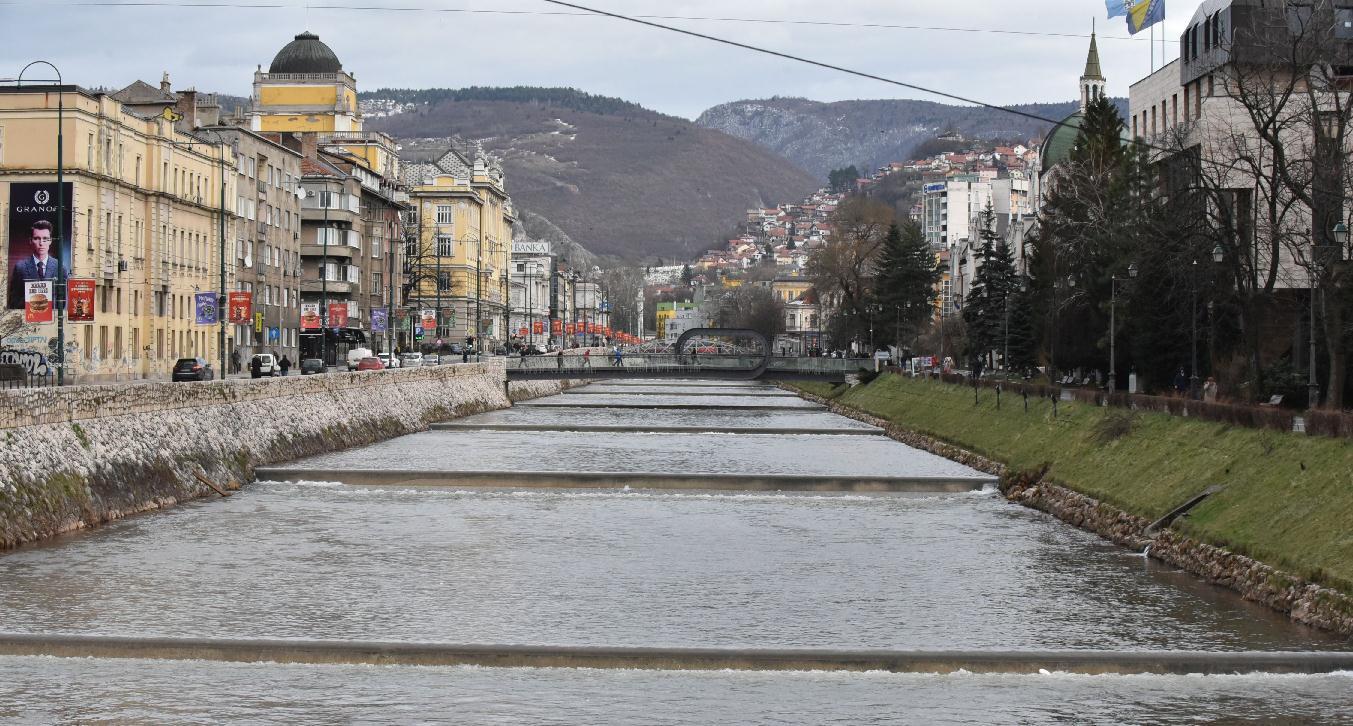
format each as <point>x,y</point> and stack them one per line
<point>842,271</point>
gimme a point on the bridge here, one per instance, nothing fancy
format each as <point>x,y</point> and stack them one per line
<point>708,353</point>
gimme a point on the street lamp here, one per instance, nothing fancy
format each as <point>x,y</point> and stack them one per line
<point>1113,324</point>
<point>1321,254</point>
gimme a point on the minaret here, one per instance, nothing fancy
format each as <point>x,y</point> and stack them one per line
<point>1092,80</point>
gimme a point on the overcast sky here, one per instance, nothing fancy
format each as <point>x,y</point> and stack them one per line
<point>217,49</point>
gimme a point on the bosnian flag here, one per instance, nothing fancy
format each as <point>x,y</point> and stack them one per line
<point>1144,14</point>
<point>1118,8</point>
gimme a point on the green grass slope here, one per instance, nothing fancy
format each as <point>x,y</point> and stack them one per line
<point>1288,498</point>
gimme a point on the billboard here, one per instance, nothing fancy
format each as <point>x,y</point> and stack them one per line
<point>310,316</point>
<point>241,306</point>
<point>33,253</point>
<point>429,320</point>
<point>80,301</point>
<point>380,321</point>
<point>205,303</point>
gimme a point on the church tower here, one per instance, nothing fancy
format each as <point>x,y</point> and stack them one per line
<point>1092,80</point>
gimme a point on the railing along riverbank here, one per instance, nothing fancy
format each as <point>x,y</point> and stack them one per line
<point>1334,424</point>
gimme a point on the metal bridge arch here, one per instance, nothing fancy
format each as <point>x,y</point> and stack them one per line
<point>735,333</point>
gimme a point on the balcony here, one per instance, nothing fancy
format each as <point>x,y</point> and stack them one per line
<point>333,287</point>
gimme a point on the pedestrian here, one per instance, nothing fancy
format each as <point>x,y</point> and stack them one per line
<point>1181,382</point>
<point>285,365</point>
<point>255,367</point>
<point>587,358</point>
<point>619,358</point>
<point>559,360</point>
<point>1210,390</point>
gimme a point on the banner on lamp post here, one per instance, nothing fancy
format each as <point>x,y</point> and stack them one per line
<point>80,301</point>
<point>537,326</point>
<point>428,319</point>
<point>38,301</point>
<point>338,315</point>
<point>240,306</point>
<point>206,308</point>
<point>310,319</point>
<point>380,321</point>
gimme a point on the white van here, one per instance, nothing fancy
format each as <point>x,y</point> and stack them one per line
<point>356,355</point>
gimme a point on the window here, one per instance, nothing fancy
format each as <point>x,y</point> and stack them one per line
<point>443,281</point>
<point>444,214</point>
<point>376,286</point>
<point>89,154</point>
<point>446,245</point>
<point>376,247</point>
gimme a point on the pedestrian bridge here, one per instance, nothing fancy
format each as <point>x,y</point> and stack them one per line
<point>709,366</point>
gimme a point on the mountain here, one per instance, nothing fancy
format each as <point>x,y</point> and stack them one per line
<point>819,137</point>
<point>617,178</point>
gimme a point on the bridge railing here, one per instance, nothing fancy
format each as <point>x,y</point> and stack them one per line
<point>711,362</point>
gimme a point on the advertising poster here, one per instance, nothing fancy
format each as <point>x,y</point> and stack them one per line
<point>429,319</point>
<point>38,301</point>
<point>310,316</point>
<point>258,322</point>
<point>380,321</point>
<point>538,326</point>
<point>338,315</point>
<point>241,307</point>
<point>522,333</point>
<point>32,254</point>
<point>80,301</point>
<point>556,327</point>
<point>206,308</point>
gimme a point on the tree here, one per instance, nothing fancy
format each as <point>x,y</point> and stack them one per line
<point>843,271</point>
<point>752,307</point>
<point>843,180</point>
<point>907,274</point>
<point>686,275</point>
<point>987,308</point>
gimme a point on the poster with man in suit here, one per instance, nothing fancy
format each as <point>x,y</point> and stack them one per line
<point>34,254</point>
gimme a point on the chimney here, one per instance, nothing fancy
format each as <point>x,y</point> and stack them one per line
<point>209,111</point>
<point>186,106</point>
<point>164,82</point>
<point>309,145</point>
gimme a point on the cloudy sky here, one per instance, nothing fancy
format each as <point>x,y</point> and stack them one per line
<point>455,43</point>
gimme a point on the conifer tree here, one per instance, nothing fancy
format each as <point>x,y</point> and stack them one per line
<point>905,283</point>
<point>993,286</point>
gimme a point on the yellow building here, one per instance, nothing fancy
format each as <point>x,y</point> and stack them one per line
<point>146,205</point>
<point>459,263</point>
<point>789,289</point>
<point>305,90</point>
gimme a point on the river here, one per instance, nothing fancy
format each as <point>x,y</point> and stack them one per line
<point>630,566</point>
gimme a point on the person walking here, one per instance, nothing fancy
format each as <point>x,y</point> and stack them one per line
<point>285,365</point>
<point>255,367</point>
<point>587,358</point>
<point>559,360</point>
<point>1181,382</point>
<point>619,358</point>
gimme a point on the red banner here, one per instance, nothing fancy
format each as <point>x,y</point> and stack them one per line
<point>80,301</point>
<point>522,333</point>
<point>556,327</point>
<point>538,326</point>
<point>241,307</point>
<point>338,315</point>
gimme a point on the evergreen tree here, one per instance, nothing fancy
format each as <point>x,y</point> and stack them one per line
<point>686,275</point>
<point>905,282</point>
<point>993,288</point>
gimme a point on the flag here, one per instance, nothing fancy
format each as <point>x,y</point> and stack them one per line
<point>1144,14</point>
<point>1118,8</point>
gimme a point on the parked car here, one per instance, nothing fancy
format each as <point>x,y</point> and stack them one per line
<point>432,359</point>
<point>389,360</point>
<point>357,354</point>
<point>267,365</point>
<point>411,360</point>
<point>311,366</point>
<point>456,348</point>
<point>192,369</point>
<point>370,363</point>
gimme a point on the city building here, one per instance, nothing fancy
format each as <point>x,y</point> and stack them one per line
<point>464,231</point>
<point>529,295</point>
<point>664,312</point>
<point>305,90</point>
<point>145,226</point>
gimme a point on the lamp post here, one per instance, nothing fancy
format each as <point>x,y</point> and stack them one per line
<point>1320,256</point>
<point>1113,325</point>
<point>60,291</point>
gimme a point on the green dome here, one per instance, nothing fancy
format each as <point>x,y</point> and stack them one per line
<point>1057,147</point>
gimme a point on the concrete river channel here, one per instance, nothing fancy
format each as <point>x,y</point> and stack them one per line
<point>647,552</point>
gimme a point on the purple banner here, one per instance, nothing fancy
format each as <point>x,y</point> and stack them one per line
<point>380,321</point>
<point>206,308</point>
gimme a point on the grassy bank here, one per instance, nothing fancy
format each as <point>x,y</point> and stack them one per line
<point>1288,498</point>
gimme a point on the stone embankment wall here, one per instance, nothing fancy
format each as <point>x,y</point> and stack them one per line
<point>83,455</point>
<point>1304,601</point>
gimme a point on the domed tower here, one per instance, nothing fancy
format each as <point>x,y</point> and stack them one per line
<point>305,90</point>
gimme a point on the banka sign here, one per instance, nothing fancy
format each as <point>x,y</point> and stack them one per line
<point>530,248</point>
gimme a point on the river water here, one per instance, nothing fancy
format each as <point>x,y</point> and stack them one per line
<point>630,567</point>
